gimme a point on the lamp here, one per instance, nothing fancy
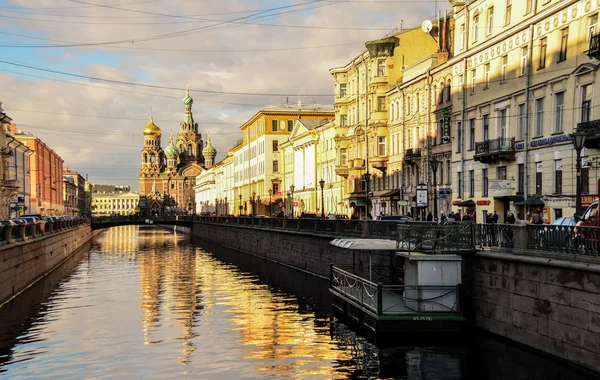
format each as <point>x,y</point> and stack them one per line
<point>434,167</point>
<point>270,195</point>
<point>292,187</point>
<point>578,141</point>
<point>322,184</point>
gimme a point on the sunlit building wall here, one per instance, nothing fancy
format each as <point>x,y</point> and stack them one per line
<point>522,83</point>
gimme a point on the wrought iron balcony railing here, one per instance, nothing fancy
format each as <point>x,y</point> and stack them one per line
<point>502,149</point>
<point>412,153</point>
<point>592,130</point>
<point>594,48</point>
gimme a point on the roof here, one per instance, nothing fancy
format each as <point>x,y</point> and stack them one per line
<point>365,244</point>
<point>312,124</point>
<point>301,108</point>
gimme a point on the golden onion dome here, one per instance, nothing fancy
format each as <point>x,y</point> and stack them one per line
<point>152,130</point>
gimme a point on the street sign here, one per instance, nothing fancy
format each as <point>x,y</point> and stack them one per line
<point>402,203</point>
<point>295,204</point>
<point>421,195</point>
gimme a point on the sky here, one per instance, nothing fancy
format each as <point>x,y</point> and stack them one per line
<point>82,75</point>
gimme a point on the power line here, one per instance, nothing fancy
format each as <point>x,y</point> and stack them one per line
<point>157,86</point>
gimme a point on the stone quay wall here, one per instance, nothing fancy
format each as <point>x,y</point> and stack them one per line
<point>548,304</point>
<point>301,250</point>
<point>24,262</point>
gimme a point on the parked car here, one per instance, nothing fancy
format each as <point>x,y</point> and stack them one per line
<point>393,217</point>
<point>337,216</point>
<point>6,222</point>
<point>308,216</point>
<point>559,234</point>
<point>38,216</point>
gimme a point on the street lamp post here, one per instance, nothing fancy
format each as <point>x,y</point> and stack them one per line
<point>322,184</point>
<point>270,208</point>
<point>240,206</point>
<point>578,141</point>
<point>292,187</point>
<point>367,180</point>
<point>226,206</point>
<point>252,206</point>
<point>434,167</point>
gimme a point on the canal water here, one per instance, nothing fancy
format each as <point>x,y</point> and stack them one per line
<point>143,302</point>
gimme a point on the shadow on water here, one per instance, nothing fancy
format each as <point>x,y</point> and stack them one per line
<point>30,307</point>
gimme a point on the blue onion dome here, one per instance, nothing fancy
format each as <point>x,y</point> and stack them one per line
<point>209,152</point>
<point>171,151</point>
<point>151,129</point>
<point>187,100</point>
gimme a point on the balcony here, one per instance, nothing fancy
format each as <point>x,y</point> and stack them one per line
<point>592,129</point>
<point>411,154</point>
<point>500,149</point>
<point>594,48</point>
<point>379,163</point>
<point>341,170</point>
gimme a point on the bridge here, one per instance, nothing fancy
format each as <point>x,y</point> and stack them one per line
<point>100,223</point>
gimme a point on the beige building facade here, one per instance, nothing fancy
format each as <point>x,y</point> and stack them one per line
<point>522,82</point>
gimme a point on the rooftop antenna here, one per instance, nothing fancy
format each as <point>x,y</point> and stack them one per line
<point>401,24</point>
<point>287,99</point>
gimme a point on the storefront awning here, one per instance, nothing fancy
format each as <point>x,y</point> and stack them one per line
<point>467,203</point>
<point>534,201</point>
<point>510,198</point>
<point>393,195</point>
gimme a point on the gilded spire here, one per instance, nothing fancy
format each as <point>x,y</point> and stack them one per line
<point>151,117</point>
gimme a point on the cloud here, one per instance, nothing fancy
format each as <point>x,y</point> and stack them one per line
<point>107,142</point>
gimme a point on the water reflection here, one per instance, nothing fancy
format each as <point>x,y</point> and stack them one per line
<point>146,302</point>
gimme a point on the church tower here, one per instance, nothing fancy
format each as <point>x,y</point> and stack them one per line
<point>209,153</point>
<point>153,158</point>
<point>189,141</point>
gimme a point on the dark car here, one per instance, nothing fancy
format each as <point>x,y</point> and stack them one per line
<point>308,216</point>
<point>393,217</point>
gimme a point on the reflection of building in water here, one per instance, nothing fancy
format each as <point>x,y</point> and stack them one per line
<point>270,324</point>
<point>181,297</point>
<point>122,239</point>
<point>151,282</point>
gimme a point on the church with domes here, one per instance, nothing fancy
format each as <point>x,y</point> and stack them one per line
<point>168,177</point>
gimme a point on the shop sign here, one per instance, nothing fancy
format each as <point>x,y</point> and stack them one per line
<point>39,193</point>
<point>402,203</point>
<point>456,202</point>
<point>295,204</point>
<point>483,202</point>
<point>587,200</point>
<point>395,197</point>
<point>559,202</point>
<point>21,200</point>
<point>444,192</point>
<point>446,125</point>
<point>546,141</point>
<point>421,195</point>
<point>499,187</point>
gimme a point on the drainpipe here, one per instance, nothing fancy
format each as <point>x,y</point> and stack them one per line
<point>463,103</point>
<point>428,122</point>
<point>527,95</point>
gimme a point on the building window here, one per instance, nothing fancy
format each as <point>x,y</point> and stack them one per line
<point>381,103</point>
<point>539,117</point>
<point>523,60</point>
<point>507,15</point>
<point>473,80</point>
<point>501,172</point>
<point>290,125</point>
<point>542,58</point>
<point>471,183</point>
<point>449,90</point>
<point>460,185</point>
<point>564,41</point>
<point>343,156</point>
<point>381,68</point>
<point>521,179</point>
<point>475,28</point>
<point>504,68</point>
<point>503,115</point>
<point>521,123</point>
<point>471,134</point>
<point>586,103</point>
<point>593,21</point>
<point>486,127</point>
<point>558,176</point>
<point>484,187</point>
<point>275,166</point>
<point>559,101</point>
<point>448,172</point>
<point>528,6</point>
<point>274,125</point>
<point>381,146</point>
<point>490,21</point>
<point>343,120</point>
<point>486,68</point>
<point>343,90</point>
<point>538,178</point>
<point>275,146</point>
<point>463,37</point>
<point>408,104</point>
<point>585,180</point>
<point>459,137</point>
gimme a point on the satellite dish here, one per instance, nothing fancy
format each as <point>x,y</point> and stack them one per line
<point>427,26</point>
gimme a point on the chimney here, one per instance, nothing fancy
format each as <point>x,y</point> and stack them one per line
<point>299,103</point>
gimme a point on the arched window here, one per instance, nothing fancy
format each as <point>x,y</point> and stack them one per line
<point>152,158</point>
<point>408,103</point>
<point>398,108</point>
<point>435,93</point>
<point>145,158</point>
<point>392,111</point>
<point>190,151</point>
<point>449,90</point>
<point>440,98</point>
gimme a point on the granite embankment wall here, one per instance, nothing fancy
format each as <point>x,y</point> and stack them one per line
<point>300,250</point>
<point>548,304</point>
<point>24,262</point>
